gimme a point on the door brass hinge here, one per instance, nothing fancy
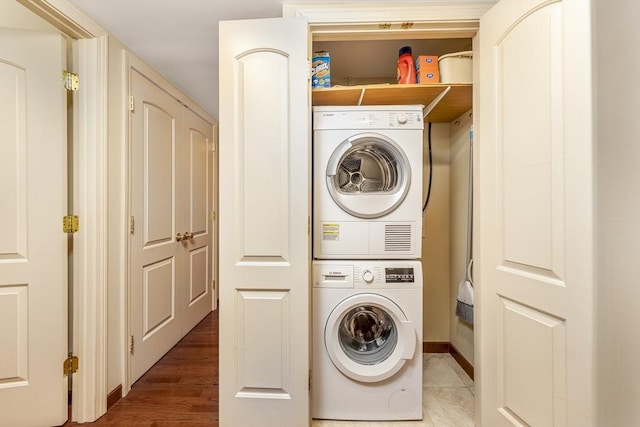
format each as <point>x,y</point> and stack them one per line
<point>213,285</point>
<point>132,103</point>
<point>70,365</point>
<point>214,216</point>
<point>132,224</point>
<point>71,81</point>
<point>131,344</point>
<point>70,224</point>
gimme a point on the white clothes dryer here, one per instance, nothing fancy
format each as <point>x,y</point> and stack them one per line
<point>367,168</point>
<point>367,340</point>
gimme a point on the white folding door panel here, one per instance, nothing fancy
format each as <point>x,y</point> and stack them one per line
<point>264,223</point>
<point>154,252</point>
<point>535,237</point>
<point>196,205</point>
<point>33,247</point>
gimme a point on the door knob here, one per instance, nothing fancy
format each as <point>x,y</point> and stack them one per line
<point>179,237</point>
<point>188,235</point>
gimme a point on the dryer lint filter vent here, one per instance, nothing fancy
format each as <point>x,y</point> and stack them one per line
<point>397,238</point>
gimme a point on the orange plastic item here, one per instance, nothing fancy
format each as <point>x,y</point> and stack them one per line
<point>406,67</point>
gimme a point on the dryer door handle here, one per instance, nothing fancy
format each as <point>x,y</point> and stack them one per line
<point>409,340</point>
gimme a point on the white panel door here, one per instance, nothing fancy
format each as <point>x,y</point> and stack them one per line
<point>535,238</point>
<point>155,253</point>
<point>264,223</point>
<point>33,248</point>
<point>195,205</point>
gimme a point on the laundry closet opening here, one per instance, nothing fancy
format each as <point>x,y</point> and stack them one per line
<point>364,72</point>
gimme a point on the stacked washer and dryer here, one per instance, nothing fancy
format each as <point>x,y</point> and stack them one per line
<point>367,275</point>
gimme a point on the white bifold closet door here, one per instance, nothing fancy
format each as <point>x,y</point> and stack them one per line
<point>265,180</point>
<point>535,241</point>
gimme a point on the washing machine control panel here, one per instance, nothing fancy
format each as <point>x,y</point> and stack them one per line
<point>380,275</point>
<point>399,275</point>
<point>367,274</point>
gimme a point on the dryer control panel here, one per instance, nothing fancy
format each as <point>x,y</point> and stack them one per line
<point>368,117</point>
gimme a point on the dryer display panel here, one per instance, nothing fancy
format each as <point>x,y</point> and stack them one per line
<point>367,335</point>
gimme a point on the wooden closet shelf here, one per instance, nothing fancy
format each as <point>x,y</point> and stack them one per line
<point>455,102</point>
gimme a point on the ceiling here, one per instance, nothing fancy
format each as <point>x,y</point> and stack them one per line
<point>179,38</point>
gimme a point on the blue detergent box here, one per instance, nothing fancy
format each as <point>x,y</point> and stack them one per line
<point>321,70</point>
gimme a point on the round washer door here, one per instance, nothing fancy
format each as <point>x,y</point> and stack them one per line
<point>368,175</point>
<point>368,337</point>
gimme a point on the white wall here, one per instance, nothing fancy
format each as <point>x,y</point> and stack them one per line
<point>617,157</point>
<point>461,333</point>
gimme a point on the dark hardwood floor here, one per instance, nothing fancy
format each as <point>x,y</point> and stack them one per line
<point>180,390</point>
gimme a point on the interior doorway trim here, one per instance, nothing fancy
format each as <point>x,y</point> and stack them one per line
<point>90,192</point>
<point>376,21</point>
<point>66,17</point>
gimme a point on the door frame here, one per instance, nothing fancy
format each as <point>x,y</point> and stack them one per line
<point>90,192</point>
<point>360,21</point>
<point>132,62</point>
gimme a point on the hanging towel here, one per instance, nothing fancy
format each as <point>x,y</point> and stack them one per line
<point>464,304</point>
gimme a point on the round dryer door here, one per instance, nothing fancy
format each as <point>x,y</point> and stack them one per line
<point>368,337</point>
<point>368,175</point>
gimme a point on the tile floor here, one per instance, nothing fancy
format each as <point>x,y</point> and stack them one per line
<point>447,401</point>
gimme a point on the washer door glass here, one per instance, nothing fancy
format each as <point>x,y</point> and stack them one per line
<point>368,338</point>
<point>368,334</point>
<point>368,175</point>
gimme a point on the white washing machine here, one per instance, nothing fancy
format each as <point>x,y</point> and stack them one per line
<point>367,187</point>
<point>367,340</point>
